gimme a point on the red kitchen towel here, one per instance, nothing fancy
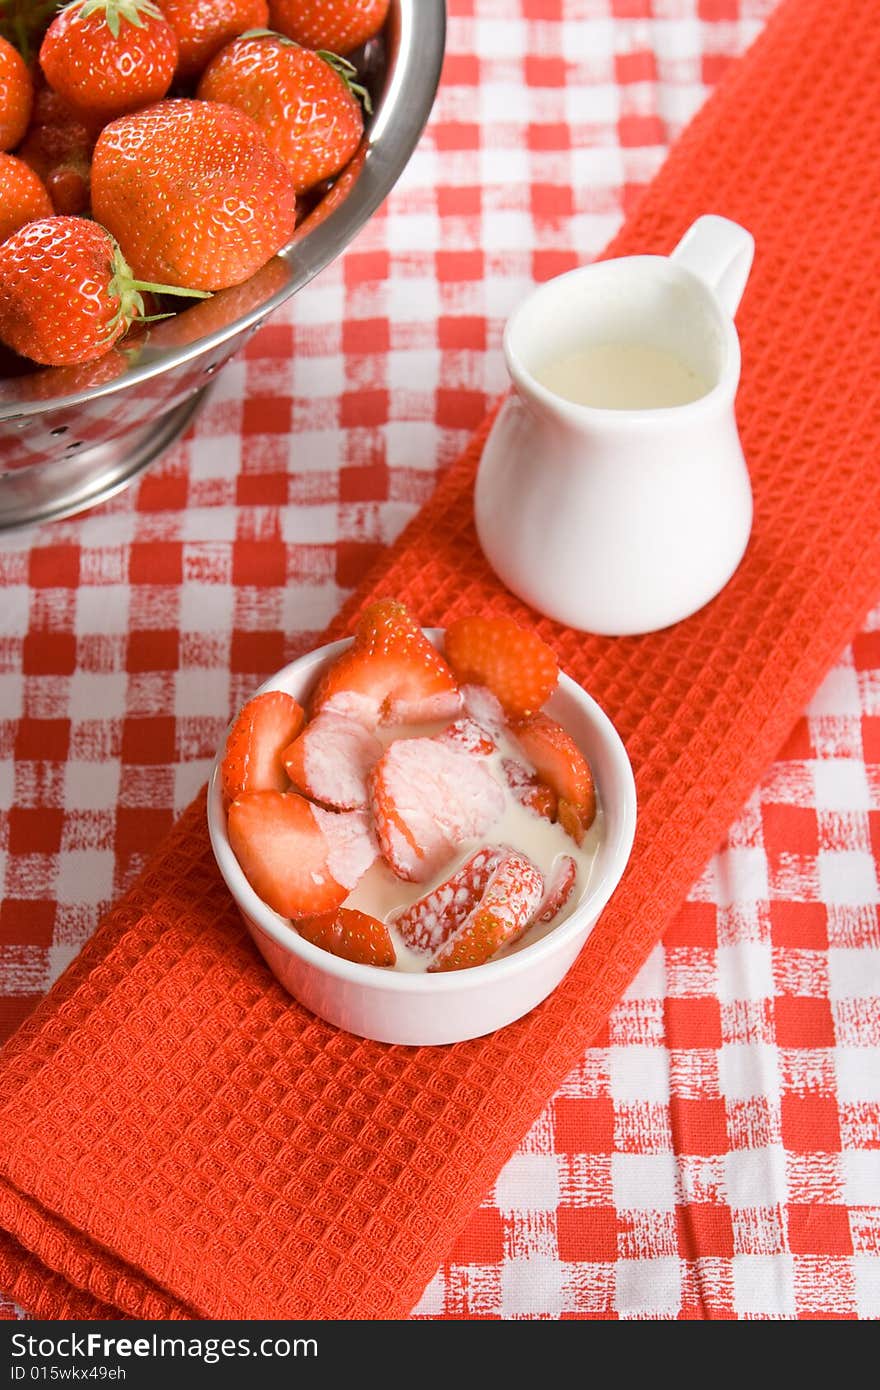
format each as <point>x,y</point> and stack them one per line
<point>177,1137</point>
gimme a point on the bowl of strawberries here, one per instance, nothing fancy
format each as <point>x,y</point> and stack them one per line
<point>171,171</point>
<point>420,828</point>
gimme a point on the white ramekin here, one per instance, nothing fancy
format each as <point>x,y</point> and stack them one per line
<point>395,1007</point>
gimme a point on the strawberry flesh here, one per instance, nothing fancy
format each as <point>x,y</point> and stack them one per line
<point>558,761</point>
<point>559,890</point>
<point>390,675</point>
<point>284,853</point>
<point>351,844</point>
<point>426,924</point>
<point>484,708</point>
<point>467,736</point>
<point>505,910</point>
<point>529,790</point>
<point>330,759</point>
<point>262,730</point>
<point>426,798</point>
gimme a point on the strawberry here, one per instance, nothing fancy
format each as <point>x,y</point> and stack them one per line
<point>559,762</point>
<point>352,847</point>
<point>304,103</point>
<point>469,737</point>
<point>107,57</point>
<point>351,934</point>
<point>58,147</point>
<point>329,761</point>
<point>426,924</point>
<point>23,198</point>
<point>204,26</point>
<point>559,890</point>
<point>426,798</point>
<point>505,910</point>
<point>16,96</point>
<point>261,731</point>
<point>529,790</point>
<point>518,668</point>
<point>351,843</point>
<point>208,315</point>
<point>391,673</point>
<point>340,25</point>
<point>483,707</point>
<point>284,853</point>
<point>192,193</point>
<point>66,292</point>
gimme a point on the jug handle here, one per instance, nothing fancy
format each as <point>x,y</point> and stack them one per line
<point>720,253</point>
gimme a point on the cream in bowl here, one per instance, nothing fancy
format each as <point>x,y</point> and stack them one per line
<point>422,861</point>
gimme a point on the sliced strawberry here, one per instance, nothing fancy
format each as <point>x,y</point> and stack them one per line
<point>252,761</point>
<point>575,820</point>
<point>351,934</point>
<point>351,844</point>
<point>284,852</point>
<point>390,675</point>
<point>425,925</point>
<point>484,708</point>
<point>426,798</point>
<point>559,889</point>
<point>467,736</point>
<point>559,762</point>
<point>330,760</point>
<point>512,661</point>
<point>529,790</point>
<point>505,910</point>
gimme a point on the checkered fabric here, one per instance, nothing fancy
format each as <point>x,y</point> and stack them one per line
<point>717,1152</point>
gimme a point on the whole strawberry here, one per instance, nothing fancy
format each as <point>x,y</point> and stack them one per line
<point>192,193</point>
<point>106,57</point>
<point>303,102</point>
<point>22,196</point>
<point>204,26</point>
<point>58,147</point>
<point>340,25</point>
<point>16,96</point>
<point>66,293</point>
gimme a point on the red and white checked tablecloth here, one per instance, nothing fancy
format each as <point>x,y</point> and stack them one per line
<point>731,1109</point>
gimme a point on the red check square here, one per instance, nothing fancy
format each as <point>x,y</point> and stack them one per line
<point>810,1124</point>
<point>587,1233</point>
<point>585,1125</point>
<point>803,1022</point>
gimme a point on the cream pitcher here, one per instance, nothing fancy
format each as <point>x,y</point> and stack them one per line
<point>612,493</point>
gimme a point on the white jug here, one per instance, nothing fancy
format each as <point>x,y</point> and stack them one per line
<point>625,515</point>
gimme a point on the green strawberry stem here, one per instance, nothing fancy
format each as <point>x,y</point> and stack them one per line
<point>129,293</point>
<point>116,10</point>
<point>147,287</point>
<point>347,71</point>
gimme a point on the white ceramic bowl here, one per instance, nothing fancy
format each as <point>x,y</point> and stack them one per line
<point>395,1007</point>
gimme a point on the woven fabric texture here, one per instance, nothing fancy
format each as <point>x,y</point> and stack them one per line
<point>178,1138</point>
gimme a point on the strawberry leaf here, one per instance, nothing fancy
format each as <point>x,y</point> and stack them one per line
<point>348,72</point>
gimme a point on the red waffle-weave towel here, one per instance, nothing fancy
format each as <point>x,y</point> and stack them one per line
<point>177,1137</point>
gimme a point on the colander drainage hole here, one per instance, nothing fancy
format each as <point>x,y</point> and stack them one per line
<point>76,445</point>
<point>209,371</point>
<point>60,429</point>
